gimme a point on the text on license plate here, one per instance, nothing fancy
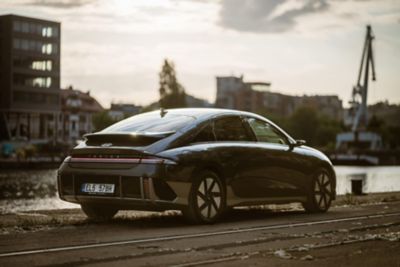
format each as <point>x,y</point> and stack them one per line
<point>98,188</point>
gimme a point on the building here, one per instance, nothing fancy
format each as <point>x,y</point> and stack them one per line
<point>78,109</point>
<point>234,93</point>
<point>226,89</point>
<point>120,111</point>
<point>29,78</point>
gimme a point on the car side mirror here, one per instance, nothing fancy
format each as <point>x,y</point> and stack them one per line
<point>300,142</point>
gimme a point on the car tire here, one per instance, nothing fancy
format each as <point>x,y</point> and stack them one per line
<point>320,194</point>
<point>207,199</point>
<point>98,213</point>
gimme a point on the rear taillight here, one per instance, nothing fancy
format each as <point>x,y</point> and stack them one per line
<point>147,160</point>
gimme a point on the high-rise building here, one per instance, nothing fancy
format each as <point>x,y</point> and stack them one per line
<point>29,78</point>
<point>226,88</point>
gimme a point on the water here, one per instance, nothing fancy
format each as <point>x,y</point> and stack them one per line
<point>23,190</point>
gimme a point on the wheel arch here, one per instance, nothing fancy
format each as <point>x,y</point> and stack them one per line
<point>210,166</point>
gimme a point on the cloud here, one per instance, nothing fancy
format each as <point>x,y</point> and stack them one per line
<point>269,16</point>
<point>59,3</point>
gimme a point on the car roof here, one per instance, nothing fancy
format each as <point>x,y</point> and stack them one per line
<point>202,113</point>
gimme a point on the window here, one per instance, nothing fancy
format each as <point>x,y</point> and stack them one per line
<point>230,129</point>
<point>17,44</point>
<point>265,132</point>
<point>47,32</point>
<point>24,44</point>
<point>38,29</point>
<point>35,98</point>
<point>37,46</point>
<point>25,27</point>
<point>41,82</point>
<point>32,81</point>
<point>17,26</point>
<point>49,65</point>
<point>32,63</point>
<point>52,99</point>
<point>21,97</point>
<point>55,32</point>
<point>32,45</point>
<point>205,135</point>
<point>41,65</point>
<point>55,48</point>
<point>32,28</point>
<point>151,122</point>
<point>47,48</point>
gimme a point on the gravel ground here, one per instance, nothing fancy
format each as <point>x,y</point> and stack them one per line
<point>27,221</point>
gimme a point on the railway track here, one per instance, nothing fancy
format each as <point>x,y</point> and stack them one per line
<point>143,241</point>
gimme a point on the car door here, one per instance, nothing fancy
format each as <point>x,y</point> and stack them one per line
<point>232,147</point>
<point>271,168</point>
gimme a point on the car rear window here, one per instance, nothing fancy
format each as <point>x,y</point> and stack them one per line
<point>152,122</point>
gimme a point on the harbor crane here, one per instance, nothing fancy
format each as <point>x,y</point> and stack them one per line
<point>360,91</point>
<point>356,143</point>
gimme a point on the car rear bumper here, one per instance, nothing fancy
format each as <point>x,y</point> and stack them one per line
<point>137,186</point>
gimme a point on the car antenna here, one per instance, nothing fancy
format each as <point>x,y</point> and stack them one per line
<point>163,112</point>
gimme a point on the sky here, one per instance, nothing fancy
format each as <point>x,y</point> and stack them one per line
<point>115,48</point>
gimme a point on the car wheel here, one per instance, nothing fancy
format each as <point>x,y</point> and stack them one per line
<point>207,199</point>
<point>98,213</point>
<point>320,196</point>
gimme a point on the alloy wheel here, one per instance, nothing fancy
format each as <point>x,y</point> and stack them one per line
<point>323,191</point>
<point>209,198</point>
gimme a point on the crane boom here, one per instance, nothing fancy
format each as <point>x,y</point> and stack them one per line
<point>360,91</point>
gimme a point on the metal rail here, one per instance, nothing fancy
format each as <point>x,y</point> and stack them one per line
<point>194,235</point>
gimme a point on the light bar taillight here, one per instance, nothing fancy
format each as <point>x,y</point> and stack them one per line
<point>122,160</point>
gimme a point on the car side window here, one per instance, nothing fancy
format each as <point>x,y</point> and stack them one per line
<point>265,132</point>
<point>230,129</point>
<point>205,135</point>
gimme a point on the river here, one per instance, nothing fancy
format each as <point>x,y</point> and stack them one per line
<point>23,190</point>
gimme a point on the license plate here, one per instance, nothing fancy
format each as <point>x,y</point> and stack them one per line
<point>98,188</point>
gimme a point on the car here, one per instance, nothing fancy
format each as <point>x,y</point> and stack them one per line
<point>201,161</point>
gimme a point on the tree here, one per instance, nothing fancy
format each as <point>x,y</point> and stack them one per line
<point>327,131</point>
<point>102,120</point>
<point>304,123</point>
<point>172,94</point>
<point>318,130</point>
